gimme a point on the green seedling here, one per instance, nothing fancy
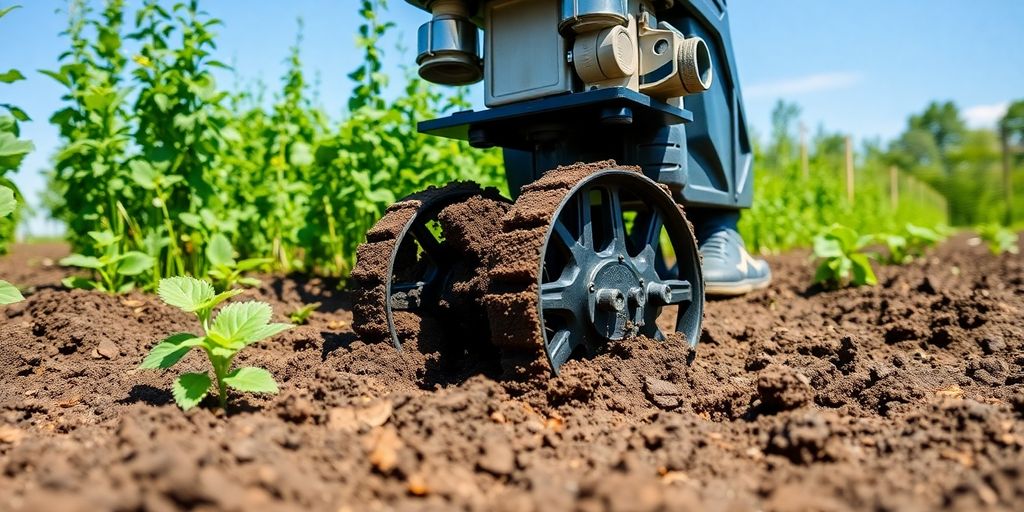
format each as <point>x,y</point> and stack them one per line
<point>999,239</point>
<point>842,260</point>
<point>224,270</point>
<point>909,245</point>
<point>301,315</point>
<point>235,327</point>
<point>116,269</point>
<point>9,294</point>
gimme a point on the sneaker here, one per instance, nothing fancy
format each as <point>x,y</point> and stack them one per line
<point>729,270</point>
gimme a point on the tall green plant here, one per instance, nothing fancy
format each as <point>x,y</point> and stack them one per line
<point>378,156</point>
<point>12,152</point>
<point>88,167</point>
<point>179,169</point>
<point>9,294</point>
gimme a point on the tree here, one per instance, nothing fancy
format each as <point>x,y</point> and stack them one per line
<point>1011,135</point>
<point>784,116</point>
<point>942,121</point>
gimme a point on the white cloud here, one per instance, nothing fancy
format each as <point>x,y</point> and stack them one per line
<point>985,116</point>
<point>803,84</point>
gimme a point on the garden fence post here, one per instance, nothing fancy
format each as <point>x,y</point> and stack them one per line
<point>1004,139</point>
<point>894,187</point>
<point>849,169</point>
<point>804,168</point>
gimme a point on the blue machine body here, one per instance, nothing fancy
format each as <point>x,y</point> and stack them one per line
<point>702,153</point>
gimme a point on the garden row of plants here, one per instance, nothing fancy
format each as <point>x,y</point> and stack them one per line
<point>163,173</point>
<point>844,256</point>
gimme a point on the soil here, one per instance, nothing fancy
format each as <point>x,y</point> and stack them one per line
<point>906,396</point>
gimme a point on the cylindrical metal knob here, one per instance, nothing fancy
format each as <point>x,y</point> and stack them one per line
<point>581,16</point>
<point>695,65</point>
<point>604,54</point>
<point>660,294</point>
<point>611,299</point>
<point>448,46</point>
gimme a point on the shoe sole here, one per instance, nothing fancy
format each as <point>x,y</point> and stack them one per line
<point>738,288</point>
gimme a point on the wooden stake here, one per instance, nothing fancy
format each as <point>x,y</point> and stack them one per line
<point>1004,139</point>
<point>804,167</point>
<point>894,188</point>
<point>849,169</point>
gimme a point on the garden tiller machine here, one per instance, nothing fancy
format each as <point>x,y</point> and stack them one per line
<point>612,115</point>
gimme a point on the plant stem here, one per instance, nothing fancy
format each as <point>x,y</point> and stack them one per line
<point>220,371</point>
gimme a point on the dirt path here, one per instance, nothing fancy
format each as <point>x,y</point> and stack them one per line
<point>908,396</point>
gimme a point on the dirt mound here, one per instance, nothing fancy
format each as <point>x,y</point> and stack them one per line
<point>906,396</point>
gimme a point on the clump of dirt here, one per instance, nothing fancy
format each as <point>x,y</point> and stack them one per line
<point>906,396</point>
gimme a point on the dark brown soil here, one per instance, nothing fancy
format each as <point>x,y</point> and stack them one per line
<point>907,396</point>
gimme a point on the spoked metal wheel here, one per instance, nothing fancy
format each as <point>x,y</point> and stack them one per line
<point>596,257</point>
<point>406,270</point>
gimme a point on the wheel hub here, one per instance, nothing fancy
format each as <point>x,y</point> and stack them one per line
<point>613,299</point>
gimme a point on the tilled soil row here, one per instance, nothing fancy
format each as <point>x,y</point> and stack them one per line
<point>906,396</point>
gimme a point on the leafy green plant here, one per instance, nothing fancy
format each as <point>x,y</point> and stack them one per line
<point>235,327</point>
<point>999,239</point>
<point>115,269</point>
<point>9,294</point>
<point>155,152</point>
<point>912,243</point>
<point>842,261</point>
<point>301,316</point>
<point>12,152</point>
<point>225,270</point>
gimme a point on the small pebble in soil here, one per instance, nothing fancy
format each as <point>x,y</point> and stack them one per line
<point>664,394</point>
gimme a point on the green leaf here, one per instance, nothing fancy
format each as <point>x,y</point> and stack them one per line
<point>249,281</point>
<point>863,241</point>
<point>7,201</point>
<point>9,294</point>
<point>11,76</point>
<point>168,352</point>
<point>240,322</point>
<point>143,174</point>
<point>269,330</point>
<point>300,155</point>
<point>18,113</point>
<point>104,238</point>
<point>12,150</point>
<point>3,12</point>
<point>301,315</point>
<point>135,263</point>
<point>78,260</point>
<point>78,283</point>
<point>252,263</point>
<point>254,380</point>
<point>219,251</point>
<point>222,352</point>
<point>925,234</point>
<point>189,389</point>
<point>862,271</point>
<point>58,76</point>
<point>826,247</point>
<point>186,293</point>
<point>220,297</point>
<point>824,273</point>
<point>191,220</point>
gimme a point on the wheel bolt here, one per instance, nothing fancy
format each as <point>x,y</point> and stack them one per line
<point>636,295</point>
<point>611,299</point>
<point>660,293</point>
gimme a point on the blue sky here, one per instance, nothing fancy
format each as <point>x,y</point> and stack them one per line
<point>857,66</point>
